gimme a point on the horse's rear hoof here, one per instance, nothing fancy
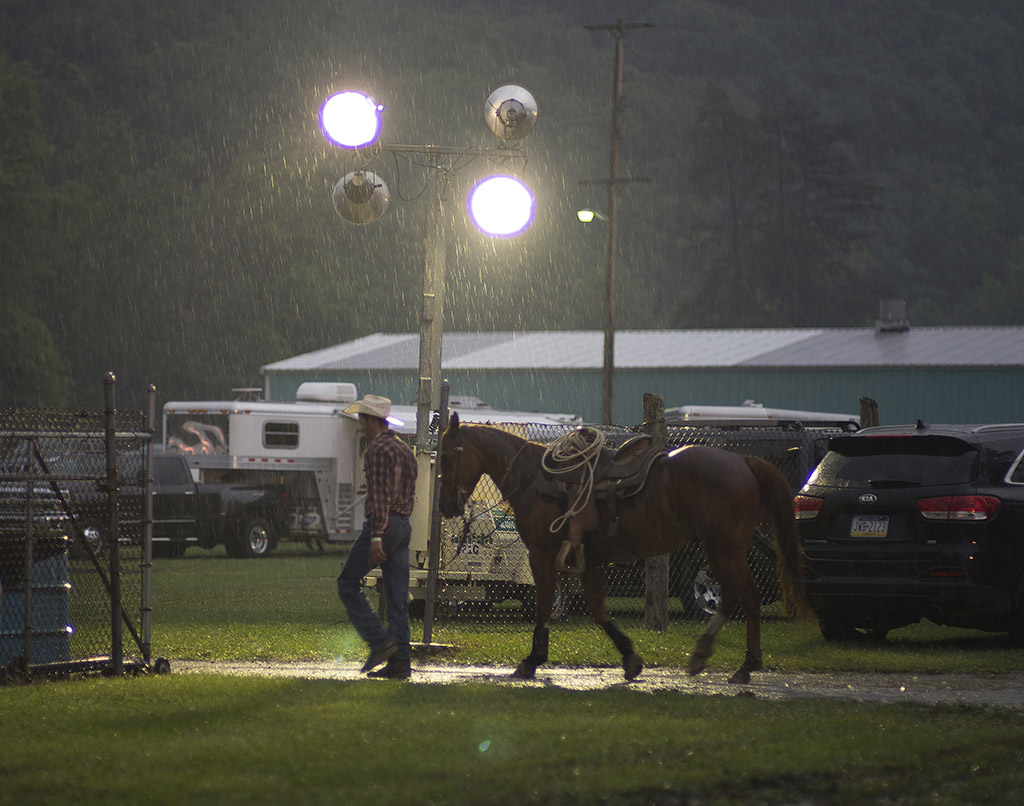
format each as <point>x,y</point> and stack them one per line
<point>632,666</point>
<point>742,676</point>
<point>696,667</point>
<point>524,672</point>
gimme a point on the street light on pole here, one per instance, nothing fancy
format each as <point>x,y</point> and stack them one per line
<point>499,206</point>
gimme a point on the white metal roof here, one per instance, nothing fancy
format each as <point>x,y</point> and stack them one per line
<point>639,349</point>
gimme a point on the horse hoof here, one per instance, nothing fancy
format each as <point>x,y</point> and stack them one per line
<point>696,667</point>
<point>742,676</point>
<point>523,672</point>
<point>632,666</point>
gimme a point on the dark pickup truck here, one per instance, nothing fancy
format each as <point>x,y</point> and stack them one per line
<point>69,498</point>
<point>247,518</point>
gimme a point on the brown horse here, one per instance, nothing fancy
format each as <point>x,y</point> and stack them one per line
<point>691,493</point>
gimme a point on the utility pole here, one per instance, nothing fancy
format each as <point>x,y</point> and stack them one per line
<point>618,30</point>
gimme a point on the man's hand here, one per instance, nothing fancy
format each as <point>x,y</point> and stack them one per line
<point>377,552</point>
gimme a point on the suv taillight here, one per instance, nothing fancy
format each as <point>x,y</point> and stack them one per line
<point>806,507</point>
<point>959,507</point>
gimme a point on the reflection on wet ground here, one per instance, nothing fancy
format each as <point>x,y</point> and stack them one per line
<point>1004,691</point>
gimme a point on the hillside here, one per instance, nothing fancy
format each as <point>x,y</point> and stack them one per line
<point>166,207</point>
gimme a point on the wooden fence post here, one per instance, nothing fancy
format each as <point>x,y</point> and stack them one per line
<point>656,568</point>
<point>868,412</point>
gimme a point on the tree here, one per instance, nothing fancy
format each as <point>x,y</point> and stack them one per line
<point>778,209</point>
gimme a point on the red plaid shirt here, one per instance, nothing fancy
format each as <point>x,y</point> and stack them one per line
<point>390,469</point>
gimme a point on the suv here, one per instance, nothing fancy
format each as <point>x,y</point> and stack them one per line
<point>903,523</point>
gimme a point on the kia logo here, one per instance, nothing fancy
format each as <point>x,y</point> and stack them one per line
<point>868,498</point>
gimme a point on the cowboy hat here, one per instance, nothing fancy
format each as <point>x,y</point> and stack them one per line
<point>375,406</point>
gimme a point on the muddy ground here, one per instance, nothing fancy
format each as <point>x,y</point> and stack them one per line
<point>1003,691</point>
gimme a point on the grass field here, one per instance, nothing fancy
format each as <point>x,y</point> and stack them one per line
<point>208,739</point>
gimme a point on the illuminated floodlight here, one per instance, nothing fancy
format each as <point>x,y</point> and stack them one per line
<point>586,215</point>
<point>501,205</point>
<point>350,119</point>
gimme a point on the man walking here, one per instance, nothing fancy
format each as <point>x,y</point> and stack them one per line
<point>390,470</point>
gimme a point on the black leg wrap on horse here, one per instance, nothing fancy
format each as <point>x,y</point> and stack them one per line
<point>538,654</point>
<point>621,641</point>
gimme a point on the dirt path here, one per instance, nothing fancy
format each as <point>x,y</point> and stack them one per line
<point>1003,691</point>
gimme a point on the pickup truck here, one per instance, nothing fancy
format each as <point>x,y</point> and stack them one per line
<point>247,518</point>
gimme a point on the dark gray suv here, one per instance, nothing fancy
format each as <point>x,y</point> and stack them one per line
<point>903,523</point>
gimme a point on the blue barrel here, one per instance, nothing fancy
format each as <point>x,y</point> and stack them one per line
<point>51,630</point>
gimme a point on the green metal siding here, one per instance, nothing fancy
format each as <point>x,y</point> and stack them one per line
<point>904,394</point>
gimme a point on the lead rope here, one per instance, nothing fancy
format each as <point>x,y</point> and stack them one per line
<point>580,448</point>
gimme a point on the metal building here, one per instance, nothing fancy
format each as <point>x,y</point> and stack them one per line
<point>937,374</point>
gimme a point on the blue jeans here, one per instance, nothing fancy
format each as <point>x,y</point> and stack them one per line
<point>394,575</point>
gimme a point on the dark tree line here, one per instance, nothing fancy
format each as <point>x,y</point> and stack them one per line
<point>165,192</point>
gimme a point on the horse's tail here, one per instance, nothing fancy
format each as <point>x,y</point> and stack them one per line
<point>777,500</point>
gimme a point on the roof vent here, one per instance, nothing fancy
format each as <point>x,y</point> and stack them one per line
<point>312,392</point>
<point>892,317</point>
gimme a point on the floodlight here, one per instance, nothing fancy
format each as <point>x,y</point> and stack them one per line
<point>361,197</point>
<point>501,205</point>
<point>350,119</point>
<point>510,112</point>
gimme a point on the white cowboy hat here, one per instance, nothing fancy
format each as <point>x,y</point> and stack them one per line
<point>375,406</point>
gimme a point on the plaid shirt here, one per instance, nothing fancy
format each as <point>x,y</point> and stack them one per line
<point>390,470</point>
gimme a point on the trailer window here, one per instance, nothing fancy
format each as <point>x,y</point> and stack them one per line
<point>280,435</point>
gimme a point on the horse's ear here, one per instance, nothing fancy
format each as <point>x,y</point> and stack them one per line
<point>453,423</point>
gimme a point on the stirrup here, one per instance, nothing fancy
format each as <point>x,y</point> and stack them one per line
<point>579,563</point>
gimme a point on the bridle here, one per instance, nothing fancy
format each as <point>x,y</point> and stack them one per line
<point>462,494</point>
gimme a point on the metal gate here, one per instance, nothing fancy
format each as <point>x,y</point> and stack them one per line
<point>75,537</point>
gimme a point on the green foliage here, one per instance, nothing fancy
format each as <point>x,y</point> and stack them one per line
<point>166,205</point>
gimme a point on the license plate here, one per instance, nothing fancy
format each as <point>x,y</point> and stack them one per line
<point>874,526</point>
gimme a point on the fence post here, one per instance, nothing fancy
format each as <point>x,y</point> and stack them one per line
<point>113,547</point>
<point>868,412</point>
<point>656,568</point>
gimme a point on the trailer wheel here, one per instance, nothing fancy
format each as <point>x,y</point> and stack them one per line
<point>253,540</point>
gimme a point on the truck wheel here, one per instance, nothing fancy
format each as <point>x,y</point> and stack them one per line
<point>253,541</point>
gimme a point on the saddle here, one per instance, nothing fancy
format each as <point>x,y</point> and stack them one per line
<point>620,475</point>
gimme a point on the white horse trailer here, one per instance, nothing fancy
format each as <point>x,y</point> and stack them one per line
<point>313,449</point>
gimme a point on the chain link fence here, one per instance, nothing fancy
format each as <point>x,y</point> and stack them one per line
<point>74,547</point>
<point>484,574</point>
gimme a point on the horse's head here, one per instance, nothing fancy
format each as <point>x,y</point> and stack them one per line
<point>460,470</point>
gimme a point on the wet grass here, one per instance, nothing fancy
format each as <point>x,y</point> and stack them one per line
<point>285,607</point>
<point>208,739</point>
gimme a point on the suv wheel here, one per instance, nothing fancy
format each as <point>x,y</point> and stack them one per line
<point>840,628</point>
<point>705,591</point>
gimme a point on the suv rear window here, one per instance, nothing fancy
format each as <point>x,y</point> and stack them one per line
<point>898,461</point>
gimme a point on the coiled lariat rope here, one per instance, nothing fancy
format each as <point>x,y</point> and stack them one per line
<point>580,448</point>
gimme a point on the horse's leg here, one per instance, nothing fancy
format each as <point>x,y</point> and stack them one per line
<point>544,579</point>
<point>706,642</point>
<point>738,587</point>
<point>593,587</point>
